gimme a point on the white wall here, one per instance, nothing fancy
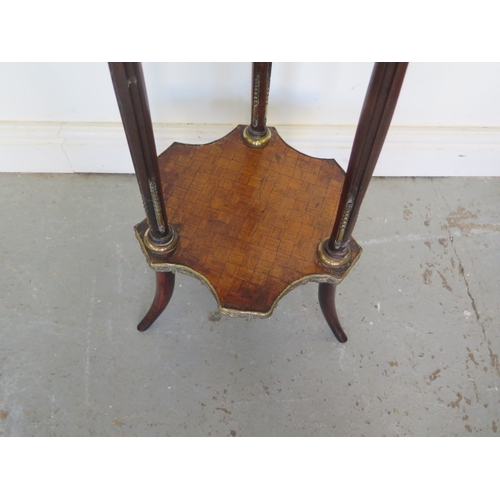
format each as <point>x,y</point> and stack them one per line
<point>62,117</point>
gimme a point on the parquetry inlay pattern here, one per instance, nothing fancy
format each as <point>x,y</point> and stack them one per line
<point>250,220</point>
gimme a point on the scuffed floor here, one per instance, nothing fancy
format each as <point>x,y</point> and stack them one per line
<point>421,311</point>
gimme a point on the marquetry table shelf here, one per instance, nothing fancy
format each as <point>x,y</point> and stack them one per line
<point>248,215</point>
<point>250,220</point>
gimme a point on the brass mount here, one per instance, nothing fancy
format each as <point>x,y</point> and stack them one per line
<point>162,248</point>
<point>256,141</point>
<point>330,260</point>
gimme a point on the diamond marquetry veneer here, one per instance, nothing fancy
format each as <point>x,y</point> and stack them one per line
<point>250,220</point>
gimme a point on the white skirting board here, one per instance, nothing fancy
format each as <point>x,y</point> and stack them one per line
<point>102,148</point>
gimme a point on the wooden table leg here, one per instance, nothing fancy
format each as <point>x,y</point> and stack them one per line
<point>165,283</point>
<point>130,90</point>
<point>257,134</point>
<point>161,238</point>
<point>378,109</point>
<point>326,298</point>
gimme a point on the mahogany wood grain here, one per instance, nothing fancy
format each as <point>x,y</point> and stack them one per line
<point>130,91</point>
<point>326,299</point>
<point>376,114</point>
<point>165,283</point>
<point>261,80</point>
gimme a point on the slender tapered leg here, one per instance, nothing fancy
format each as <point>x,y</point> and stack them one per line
<point>130,90</point>
<point>164,289</point>
<point>376,114</point>
<point>257,134</point>
<point>326,297</point>
<point>160,238</point>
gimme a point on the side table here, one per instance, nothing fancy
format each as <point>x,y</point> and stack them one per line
<point>248,215</point>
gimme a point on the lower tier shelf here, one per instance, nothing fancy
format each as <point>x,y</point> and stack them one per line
<point>250,220</point>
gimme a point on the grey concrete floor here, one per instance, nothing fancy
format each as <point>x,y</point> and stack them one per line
<point>420,309</point>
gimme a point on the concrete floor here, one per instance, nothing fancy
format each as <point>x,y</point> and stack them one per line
<point>420,309</point>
